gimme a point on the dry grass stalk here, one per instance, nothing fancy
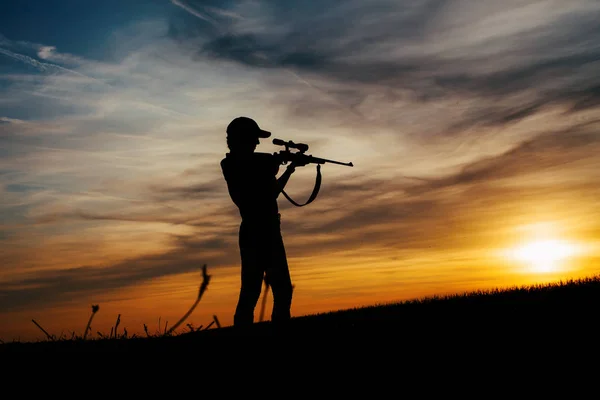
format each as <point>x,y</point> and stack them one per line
<point>49,336</point>
<point>95,309</point>
<point>117,324</point>
<point>209,325</point>
<point>203,286</point>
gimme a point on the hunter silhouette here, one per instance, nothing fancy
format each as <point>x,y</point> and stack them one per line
<point>254,188</point>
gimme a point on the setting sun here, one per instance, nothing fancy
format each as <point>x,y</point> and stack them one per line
<point>544,255</point>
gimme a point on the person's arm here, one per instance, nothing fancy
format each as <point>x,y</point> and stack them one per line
<point>232,183</point>
<point>283,179</point>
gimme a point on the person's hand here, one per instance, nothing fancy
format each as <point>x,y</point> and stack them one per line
<point>290,168</point>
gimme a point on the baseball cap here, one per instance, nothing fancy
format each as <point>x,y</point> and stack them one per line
<point>246,126</point>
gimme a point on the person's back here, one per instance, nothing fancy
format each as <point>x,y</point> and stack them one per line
<point>252,184</point>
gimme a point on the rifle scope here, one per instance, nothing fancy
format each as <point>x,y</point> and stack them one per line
<point>301,147</point>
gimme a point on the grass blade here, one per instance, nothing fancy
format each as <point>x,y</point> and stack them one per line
<point>95,309</point>
<point>49,336</point>
<point>117,325</point>
<point>203,286</point>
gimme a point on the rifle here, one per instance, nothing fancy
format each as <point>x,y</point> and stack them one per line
<point>300,158</point>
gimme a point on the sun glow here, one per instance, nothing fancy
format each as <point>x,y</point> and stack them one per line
<point>544,255</point>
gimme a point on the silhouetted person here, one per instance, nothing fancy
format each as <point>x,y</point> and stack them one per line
<point>254,187</point>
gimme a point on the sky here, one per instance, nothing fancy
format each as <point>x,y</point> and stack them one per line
<point>473,128</point>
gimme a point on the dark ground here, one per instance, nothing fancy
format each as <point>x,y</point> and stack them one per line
<point>560,317</point>
<point>523,343</point>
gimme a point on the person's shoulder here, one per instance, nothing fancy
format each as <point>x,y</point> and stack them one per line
<point>247,160</point>
<point>229,164</point>
<point>224,162</point>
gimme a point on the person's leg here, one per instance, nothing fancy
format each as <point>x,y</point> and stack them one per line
<point>278,276</point>
<point>251,282</point>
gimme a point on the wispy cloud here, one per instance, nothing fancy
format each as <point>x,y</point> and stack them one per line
<point>60,286</point>
<point>192,11</point>
<point>537,53</point>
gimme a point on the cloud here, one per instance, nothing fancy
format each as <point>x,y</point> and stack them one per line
<point>214,188</point>
<point>455,210</point>
<point>59,286</point>
<point>192,11</point>
<point>544,52</point>
<point>29,60</point>
<point>46,52</point>
<point>549,151</point>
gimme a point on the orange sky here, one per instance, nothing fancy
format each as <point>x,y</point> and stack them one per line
<point>473,131</point>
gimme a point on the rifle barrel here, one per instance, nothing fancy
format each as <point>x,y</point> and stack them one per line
<point>285,156</point>
<point>318,160</point>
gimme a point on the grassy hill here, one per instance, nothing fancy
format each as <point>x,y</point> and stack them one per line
<point>559,315</point>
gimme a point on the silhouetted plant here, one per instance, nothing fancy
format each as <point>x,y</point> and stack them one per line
<point>202,289</point>
<point>95,309</point>
<point>209,325</point>
<point>117,325</point>
<point>49,336</point>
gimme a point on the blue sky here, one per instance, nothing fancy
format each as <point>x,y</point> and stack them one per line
<point>472,126</point>
<point>74,25</point>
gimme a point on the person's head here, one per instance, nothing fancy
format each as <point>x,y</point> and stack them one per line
<point>243,135</point>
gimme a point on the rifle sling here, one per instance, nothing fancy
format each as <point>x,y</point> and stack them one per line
<point>314,193</point>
